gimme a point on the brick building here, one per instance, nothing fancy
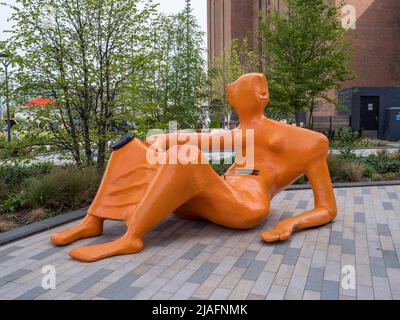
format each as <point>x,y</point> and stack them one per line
<point>375,61</point>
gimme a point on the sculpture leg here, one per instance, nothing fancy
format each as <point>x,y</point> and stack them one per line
<point>89,227</point>
<point>92,224</point>
<point>324,211</point>
<point>172,186</point>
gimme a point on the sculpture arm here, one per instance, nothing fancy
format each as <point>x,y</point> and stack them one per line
<point>204,141</point>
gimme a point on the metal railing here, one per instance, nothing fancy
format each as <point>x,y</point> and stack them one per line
<point>330,124</point>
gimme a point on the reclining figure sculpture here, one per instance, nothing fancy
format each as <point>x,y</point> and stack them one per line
<point>143,194</point>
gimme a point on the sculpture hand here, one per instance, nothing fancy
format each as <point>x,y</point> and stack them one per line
<point>282,231</point>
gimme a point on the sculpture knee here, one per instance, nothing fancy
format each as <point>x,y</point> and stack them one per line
<point>332,211</point>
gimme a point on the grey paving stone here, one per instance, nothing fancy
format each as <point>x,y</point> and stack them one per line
<point>186,291</point>
<point>90,281</point>
<point>366,191</point>
<point>369,232</point>
<point>246,258</point>
<point>377,265</point>
<point>291,256</point>
<point>164,225</point>
<point>127,293</point>
<point>359,217</point>
<point>102,239</point>
<point>285,216</point>
<point>289,196</point>
<point>302,204</point>
<point>390,258</point>
<point>46,253</point>
<point>32,294</point>
<point>315,279</point>
<point>194,251</point>
<point>381,288</point>
<point>13,276</point>
<point>280,247</point>
<point>165,242</point>
<point>336,238</point>
<point>203,272</point>
<point>383,229</point>
<point>221,294</point>
<point>358,200</point>
<point>330,290</point>
<point>114,289</point>
<point>348,246</point>
<point>365,293</point>
<point>387,205</point>
<point>9,250</point>
<point>393,195</point>
<point>254,270</point>
<point>5,258</point>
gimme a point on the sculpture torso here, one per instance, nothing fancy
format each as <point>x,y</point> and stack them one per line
<point>281,153</point>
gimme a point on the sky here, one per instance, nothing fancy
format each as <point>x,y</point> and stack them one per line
<point>166,6</point>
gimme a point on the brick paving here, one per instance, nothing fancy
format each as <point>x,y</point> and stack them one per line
<point>198,260</point>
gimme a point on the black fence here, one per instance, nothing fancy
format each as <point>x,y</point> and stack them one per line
<point>330,124</point>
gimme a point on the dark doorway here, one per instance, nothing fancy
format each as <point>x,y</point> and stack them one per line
<point>369,113</point>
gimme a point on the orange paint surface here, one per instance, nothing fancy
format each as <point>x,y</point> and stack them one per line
<point>143,194</point>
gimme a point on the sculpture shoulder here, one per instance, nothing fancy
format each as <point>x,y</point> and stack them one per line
<point>285,135</point>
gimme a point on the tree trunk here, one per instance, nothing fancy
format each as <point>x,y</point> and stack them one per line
<point>87,142</point>
<point>297,118</point>
<point>101,147</point>
<point>310,119</point>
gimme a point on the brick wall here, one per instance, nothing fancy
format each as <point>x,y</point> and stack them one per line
<point>376,39</point>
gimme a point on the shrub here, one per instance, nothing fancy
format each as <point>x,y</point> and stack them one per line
<point>62,188</point>
<point>13,174</point>
<point>14,150</point>
<point>383,162</point>
<point>354,171</point>
<point>222,167</point>
<point>302,180</point>
<point>345,137</point>
<point>336,166</point>
<point>377,177</point>
<point>35,215</point>
<point>390,175</point>
<point>7,225</point>
<point>11,204</point>
<point>3,189</point>
<point>369,171</point>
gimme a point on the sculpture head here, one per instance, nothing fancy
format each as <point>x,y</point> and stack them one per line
<point>249,94</point>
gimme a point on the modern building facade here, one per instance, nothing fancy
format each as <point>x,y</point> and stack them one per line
<point>375,62</point>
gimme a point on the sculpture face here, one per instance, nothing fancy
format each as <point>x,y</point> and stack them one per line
<point>249,94</point>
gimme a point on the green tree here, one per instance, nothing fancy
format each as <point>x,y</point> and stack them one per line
<point>85,54</point>
<point>227,67</point>
<point>173,83</point>
<point>307,54</point>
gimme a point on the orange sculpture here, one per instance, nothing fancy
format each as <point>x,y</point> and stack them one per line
<point>144,194</point>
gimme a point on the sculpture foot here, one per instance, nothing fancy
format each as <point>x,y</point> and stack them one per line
<point>117,247</point>
<point>90,227</point>
<point>282,231</point>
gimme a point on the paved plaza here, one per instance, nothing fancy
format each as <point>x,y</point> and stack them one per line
<point>198,260</point>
